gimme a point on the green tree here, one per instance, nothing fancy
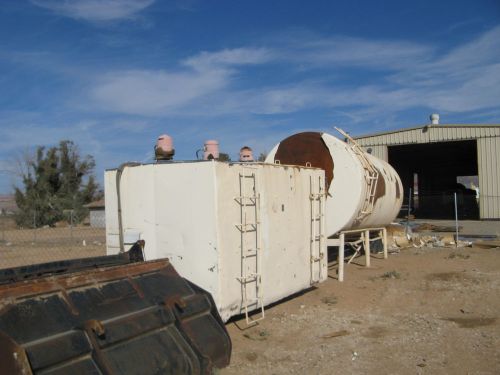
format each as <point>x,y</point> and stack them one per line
<point>56,181</point>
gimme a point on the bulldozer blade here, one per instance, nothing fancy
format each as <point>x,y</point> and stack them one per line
<point>136,318</point>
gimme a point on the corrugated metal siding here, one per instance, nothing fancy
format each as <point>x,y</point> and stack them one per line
<point>378,151</point>
<point>406,137</point>
<point>436,133</point>
<point>488,150</point>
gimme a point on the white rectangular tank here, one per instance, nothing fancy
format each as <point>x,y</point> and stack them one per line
<point>248,233</point>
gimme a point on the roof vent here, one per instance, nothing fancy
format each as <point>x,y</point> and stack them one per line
<point>434,119</point>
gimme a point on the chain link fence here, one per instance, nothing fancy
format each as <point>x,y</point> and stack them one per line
<point>441,205</point>
<point>67,239</point>
<point>21,246</point>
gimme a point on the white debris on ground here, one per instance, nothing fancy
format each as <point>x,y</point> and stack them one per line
<point>402,236</point>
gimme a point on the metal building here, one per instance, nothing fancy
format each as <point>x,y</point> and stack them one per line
<point>436,161</point>
<point>97,214</point>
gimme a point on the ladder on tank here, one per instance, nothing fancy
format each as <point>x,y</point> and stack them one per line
<point>371,177</point>
<point>249,227</point>
<point>316,197</point>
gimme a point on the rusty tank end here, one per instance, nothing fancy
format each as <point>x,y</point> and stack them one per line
<point>306,149</point>
<point>135,318</point>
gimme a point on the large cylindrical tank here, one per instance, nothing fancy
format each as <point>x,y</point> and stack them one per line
<point>363,191</point>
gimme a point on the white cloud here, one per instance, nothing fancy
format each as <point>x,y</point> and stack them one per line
<point>284,100</point>
<point>456,65</point>
<point>355,52</point>
<point>479,91</point>
<point>227,57</point>
<point>148,93</point>
<point>312,50</point>
<point>280,100</point>
<point>463,79</point>
<point>480,51</point>
<point>466,78</point>
<point>95,10</point>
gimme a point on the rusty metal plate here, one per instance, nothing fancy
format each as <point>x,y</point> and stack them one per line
<point>307,148</point>
<point>139,318</point>
<point>22,273</point>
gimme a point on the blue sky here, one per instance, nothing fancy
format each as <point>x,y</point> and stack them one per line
<point>113,75</point>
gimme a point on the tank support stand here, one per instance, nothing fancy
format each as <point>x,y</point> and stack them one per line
<point>358,239</point>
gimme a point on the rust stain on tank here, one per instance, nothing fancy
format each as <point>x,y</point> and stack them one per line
<point>307,147</point>
<point>380,190</point>
<point>398,193</point>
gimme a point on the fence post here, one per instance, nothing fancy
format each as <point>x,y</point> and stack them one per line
<point>409,210</point>
<point>34,225</point>
<point>3,228</point>
<point>456,220</point>
<point>71,226</point>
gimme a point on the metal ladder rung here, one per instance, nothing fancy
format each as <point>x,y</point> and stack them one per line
<point>254,301</point>
<point>252,199</point>
<point>249,278</point>
<point>318,259</point>
<point>246,280</point>
<point>251,320</point>
<point>243,227</point>
<point>250,253</point>
<point>317,238</point>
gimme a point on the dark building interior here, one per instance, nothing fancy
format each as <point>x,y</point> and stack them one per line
<point>435,172</point>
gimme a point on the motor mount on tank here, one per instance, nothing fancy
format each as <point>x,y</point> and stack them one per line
<point>164,148</point>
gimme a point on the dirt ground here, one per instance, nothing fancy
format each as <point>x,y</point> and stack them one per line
<point>422,311</point>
